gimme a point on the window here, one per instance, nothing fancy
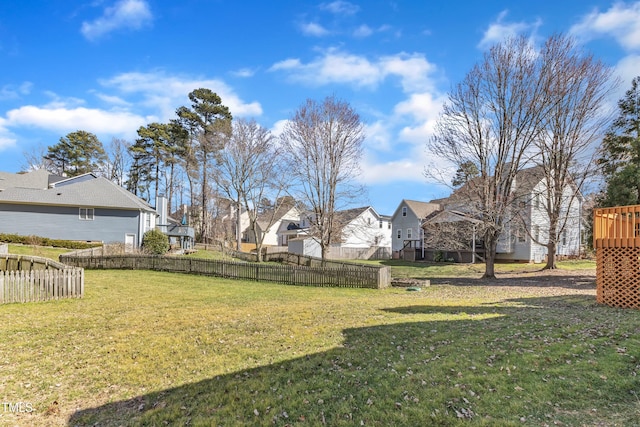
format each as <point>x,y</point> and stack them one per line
<point>380,224</point>
<point>399,233</point>
<point>404,211</point>
<point>521,234</point>
<point>564,238</point>
<point>536,233</point>
<point>409,233</point>
<point>86,214</point>
<point>389,224</point>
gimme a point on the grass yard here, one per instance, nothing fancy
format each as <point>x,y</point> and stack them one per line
<point>151,348</point>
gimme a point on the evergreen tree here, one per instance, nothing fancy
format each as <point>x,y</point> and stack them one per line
<point>77,153</point>
<point>208,122</point>
<point>620,161</point>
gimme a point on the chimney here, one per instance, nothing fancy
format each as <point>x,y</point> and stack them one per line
<point>162,209</point>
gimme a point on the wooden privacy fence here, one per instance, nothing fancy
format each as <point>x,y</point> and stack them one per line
<point>616,239</point>
<point>352,276</point>
<point>33,279</point>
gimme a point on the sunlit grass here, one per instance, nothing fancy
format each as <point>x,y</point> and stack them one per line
<point>151,348</point>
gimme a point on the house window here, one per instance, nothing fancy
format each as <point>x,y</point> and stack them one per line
<point>86,214</point>
<point>380,224</point>
<point>409,233</point>
<point>521,234</point>
<point>564,238</point>
<point>389,225</point>
<point>368,221</point>
<point>404,211</point>
<point>536,233</point>
<point>399,233</point>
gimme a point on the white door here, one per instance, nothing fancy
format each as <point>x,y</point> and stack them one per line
<point>129,242</point>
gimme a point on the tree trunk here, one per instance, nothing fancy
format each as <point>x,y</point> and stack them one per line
<point>551,256</point>
<point>491,246</point>
<point>239,225</point>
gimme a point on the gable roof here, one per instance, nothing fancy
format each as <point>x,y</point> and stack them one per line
<point>343,218</point>
<point>85,190</point>
<point>37,179</point>
<point>420,209</point>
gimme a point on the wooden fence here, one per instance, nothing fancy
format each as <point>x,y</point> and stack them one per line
<point>33,279</point>
<point>616,239</point>
<point>345,275</point>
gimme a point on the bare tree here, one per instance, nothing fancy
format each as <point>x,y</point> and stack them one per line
<point>248,173</point>
<point>323,145</point>
<point>492,119</point>
<point>118,160</point>
<point>36,159</point>
<point>578,86</point>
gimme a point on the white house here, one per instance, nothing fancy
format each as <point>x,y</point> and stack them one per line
<point>272,223</point>
<point>526,226</point>
<point>361,233</point>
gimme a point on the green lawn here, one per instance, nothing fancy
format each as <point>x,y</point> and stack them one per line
<point>150,348</point>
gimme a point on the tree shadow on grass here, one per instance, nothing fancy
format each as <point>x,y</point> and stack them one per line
<point>443,366</point>
<point>541,279</point>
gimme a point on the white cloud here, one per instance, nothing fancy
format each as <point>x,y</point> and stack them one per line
<point>278,127</point>
<point>362,31</point>
<point>425,109</point>
<point>125,14</point>
<point>621,21</point>
<point>406,169</point>
<point>6,138</point>
<point>335,66</point>
<point>166,93</point>
<point>244,72</point>
<point>340,7</point>
<point>15,92</point>
<point>111,99</point>
<point>313,29</point>
<point>71,119</point>
<point>500,30</point>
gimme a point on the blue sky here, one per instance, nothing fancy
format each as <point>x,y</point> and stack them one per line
<point>111,66</point>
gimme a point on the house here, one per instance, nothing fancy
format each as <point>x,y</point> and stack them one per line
<point>406,225</point>
<point>84,208</point>
<point>359,233</point>
<point>272,223</point>
<point>526,225</point>
<point>179,233</point>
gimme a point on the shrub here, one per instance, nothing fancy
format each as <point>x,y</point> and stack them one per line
<point>45,241</point>
<point>155,242</point>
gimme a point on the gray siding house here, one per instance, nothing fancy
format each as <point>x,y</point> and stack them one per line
<point>406,225</point>
<point>84,208</point>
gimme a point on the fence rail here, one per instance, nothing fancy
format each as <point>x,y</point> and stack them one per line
<point>345,275</point>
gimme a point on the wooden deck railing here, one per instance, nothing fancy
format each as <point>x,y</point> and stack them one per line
<point>617,227</point>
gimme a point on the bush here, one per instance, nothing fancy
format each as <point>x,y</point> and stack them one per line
<point>155,242</point>
<point>45,241</point>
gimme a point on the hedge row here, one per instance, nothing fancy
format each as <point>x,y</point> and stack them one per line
<point>45,241</point>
